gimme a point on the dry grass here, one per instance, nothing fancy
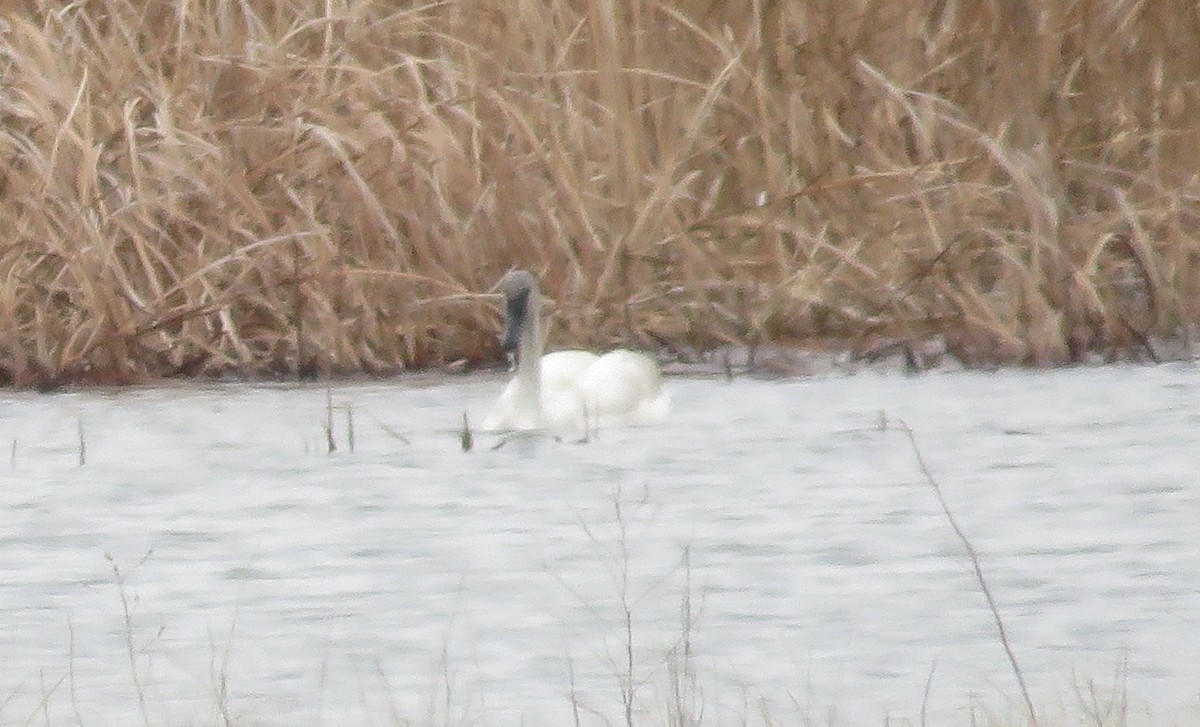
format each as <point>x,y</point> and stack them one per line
<point>303,187</point>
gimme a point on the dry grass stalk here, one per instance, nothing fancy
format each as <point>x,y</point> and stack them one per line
<point>287,187</point>
<point>977,567</point>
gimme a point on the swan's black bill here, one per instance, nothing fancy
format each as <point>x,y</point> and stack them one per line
<point>514,321</point>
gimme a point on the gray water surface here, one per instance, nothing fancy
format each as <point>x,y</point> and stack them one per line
<point>773,549</point>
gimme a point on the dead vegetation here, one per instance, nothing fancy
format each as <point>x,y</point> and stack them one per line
<point>293,187</point>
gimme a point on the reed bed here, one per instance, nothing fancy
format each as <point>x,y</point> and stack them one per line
<point>293,187</point>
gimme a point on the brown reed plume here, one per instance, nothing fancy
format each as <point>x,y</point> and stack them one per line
<point>294,188</point>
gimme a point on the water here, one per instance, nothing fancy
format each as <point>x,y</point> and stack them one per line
<point>780,534</point>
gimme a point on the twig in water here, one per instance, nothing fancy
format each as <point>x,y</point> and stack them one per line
<point>127,611</point>
<point>976,566</point>
<point>220,675</point>
<point>574,693</point>
<point>628,684</point>
<point>82,443</point>
<point>464,436</point>
<point>43,705</point>
<point>71,670</point>
<point>350,426</point>
<point>623,653</point>
<point>12,694</point>
<point>330,444</point>
<point>391,431</point>
<point>1106,706</point>
<point>681,668</point>
<point>389,694</point>
<point>928,689</point>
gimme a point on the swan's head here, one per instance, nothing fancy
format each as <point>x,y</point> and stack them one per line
<point>519,289</point>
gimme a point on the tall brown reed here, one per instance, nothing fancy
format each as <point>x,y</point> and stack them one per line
<point>301,187</point>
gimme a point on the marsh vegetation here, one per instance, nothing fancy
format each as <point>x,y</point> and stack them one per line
<point>297,187</point>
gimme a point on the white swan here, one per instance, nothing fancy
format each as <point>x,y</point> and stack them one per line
<point>569,391</point>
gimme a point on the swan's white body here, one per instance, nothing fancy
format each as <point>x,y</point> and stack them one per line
<point>569,392</point>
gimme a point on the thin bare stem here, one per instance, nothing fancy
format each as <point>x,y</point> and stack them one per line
<point>330,441</point>
<point>130,649</point>
<point>976,566</point>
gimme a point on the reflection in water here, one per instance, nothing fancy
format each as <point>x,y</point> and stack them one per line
<point>774,540</point>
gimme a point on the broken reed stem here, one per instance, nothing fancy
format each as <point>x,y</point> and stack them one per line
<point>131,650</point>
<point>466,439</point>
<point>43,706</point>
<point>681,664</point>
<point>925,694</point>
<point>330,442</point>
<point>573,691</point>
<point>82,442</point>
<point>220,674</point>
<point>71,671</point>
<point>976,565</point>
<point>627,676</point>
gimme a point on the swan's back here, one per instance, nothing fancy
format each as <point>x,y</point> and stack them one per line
<point>564,369</point>
<point>581,391</point>
<point>624,387</point>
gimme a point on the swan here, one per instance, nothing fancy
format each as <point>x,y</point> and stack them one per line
<point>569,391</point>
